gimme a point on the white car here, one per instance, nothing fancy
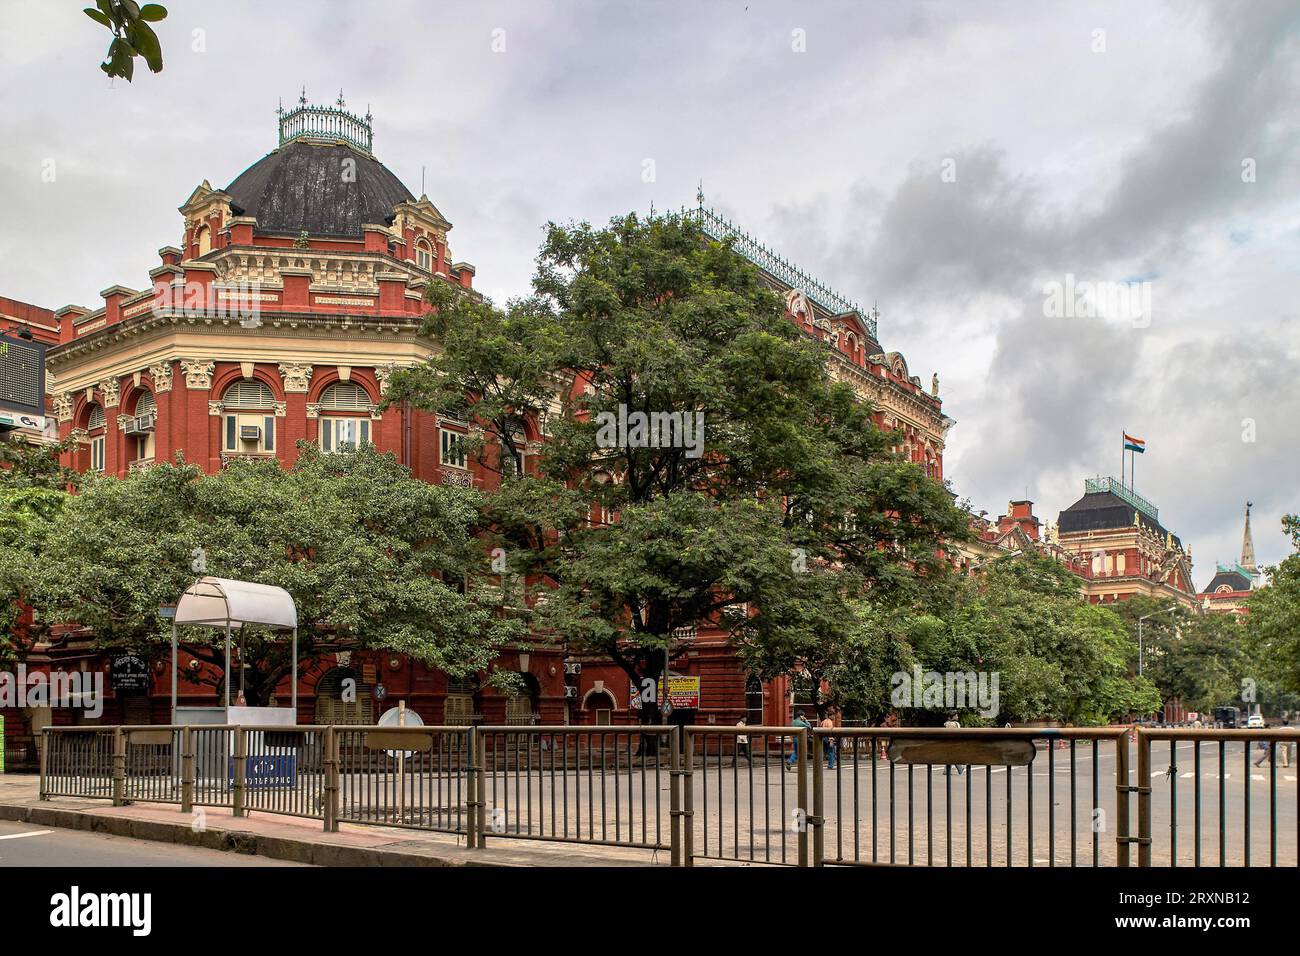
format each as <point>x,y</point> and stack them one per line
<point>1255,721</point>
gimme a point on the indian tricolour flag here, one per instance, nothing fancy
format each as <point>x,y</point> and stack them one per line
<point>1138,445</point>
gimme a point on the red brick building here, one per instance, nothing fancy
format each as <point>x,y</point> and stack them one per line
<point>293,294</point>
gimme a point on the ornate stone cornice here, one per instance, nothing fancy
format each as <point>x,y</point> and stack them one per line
<point>162,377</point>
<point>62,403</point>
<point>313,410</point>
<point>111,390</point>
<point>384,374</point>
<point>375,413</point>
<point>198,374</point>
<point>296,377</point>
<point>281,409</point>
<point>215,408</point>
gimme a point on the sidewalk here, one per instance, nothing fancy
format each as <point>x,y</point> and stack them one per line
<point>291,838</point>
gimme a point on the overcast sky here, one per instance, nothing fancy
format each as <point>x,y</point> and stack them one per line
<point>948,161</point>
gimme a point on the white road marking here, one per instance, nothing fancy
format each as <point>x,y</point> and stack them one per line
<point>19,836</point>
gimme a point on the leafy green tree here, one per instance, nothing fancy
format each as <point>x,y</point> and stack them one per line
<point>770,520</point>
<point>1274,619</point>
<point>1056,656</point>
<point>32,490</point>
<point>1196,658</point>
<point>372,557</point>
<point>132,36</point>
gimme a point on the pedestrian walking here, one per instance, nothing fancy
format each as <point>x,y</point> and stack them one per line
<point>802,722</point>
<point>1263,753</point>
<point>742,745</point>
<point>952,722</point>
<point>1284,749</point>
<point>829,744</point>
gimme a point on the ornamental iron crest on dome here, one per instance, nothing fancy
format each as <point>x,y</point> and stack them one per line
<point>326,124</point>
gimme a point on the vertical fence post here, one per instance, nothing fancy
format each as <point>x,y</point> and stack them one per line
<point>187,770</point>
<point>42,755</point>
<point>1122,835</point>
<point>119,767</point>
<point>688,798</point>
<point>241,745</point>
<point>1144,798</point>
<point>472,836</point>
<point>475,789</point>
<point>675,796</point>
<point>331,809</point>
<point>816,818</point>
<point>802,795</point>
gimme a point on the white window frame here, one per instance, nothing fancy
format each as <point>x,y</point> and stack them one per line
<point>97,453</point>
<point>264,420</point>
<point>446,457</point>
<point>332,442</point>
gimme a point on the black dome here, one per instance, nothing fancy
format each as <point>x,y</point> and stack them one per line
<point>302,186</point>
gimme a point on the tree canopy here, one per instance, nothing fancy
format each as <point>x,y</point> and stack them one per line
<point>767,502</point>
<point>371,556</point>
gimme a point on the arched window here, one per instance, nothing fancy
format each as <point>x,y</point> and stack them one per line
<point>96,424</point>
<point>204,239</point>
<point>348,427</point>
<point>331,705</point>
<point>600,703</point>
<point>248,393</point>
<point>141,428</point>
<point>249,418</point>
<point>423,255</point>
<point>345,397</point>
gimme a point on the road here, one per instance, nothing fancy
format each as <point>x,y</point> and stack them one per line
<point>23,844</point>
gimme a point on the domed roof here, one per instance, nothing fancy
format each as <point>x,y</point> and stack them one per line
<point>309,187</point>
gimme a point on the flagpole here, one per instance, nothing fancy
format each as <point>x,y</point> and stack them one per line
<point>1122,462</point>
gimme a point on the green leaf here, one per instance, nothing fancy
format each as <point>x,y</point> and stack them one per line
<point>153,12</point>
<point>98,17</point>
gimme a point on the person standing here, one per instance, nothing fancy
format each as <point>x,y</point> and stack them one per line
<point>742,745</point>
<point>829,744</point>
<point>953,722</point>
<point>800,721</point>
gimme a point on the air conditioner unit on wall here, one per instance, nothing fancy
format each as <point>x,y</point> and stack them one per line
<point>250,432</point>
<point>141,424</point>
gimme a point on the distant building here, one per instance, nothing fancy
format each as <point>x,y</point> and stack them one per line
<point>1118,535</point>
<point>1232,583</point>
<point>1015,533</point>
<point>26,332</point>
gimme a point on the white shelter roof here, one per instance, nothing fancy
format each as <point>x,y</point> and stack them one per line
<point>217,602</point>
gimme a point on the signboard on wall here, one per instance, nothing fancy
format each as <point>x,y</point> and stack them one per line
<point>683,692</point>
<point>129,674</point>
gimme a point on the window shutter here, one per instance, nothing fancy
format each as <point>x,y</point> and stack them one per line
<point>248,393</point>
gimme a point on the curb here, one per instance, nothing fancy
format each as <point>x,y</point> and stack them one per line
<point>229,840</point>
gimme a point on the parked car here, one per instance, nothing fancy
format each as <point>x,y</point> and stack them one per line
<point>1227,716</point>
<point>1255,721</point>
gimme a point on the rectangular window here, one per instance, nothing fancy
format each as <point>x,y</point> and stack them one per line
<point>344,434</point>
<point>97,454</point>
<point>453,450</point>
<point>235,440</point>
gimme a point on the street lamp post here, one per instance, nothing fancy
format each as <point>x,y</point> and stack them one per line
<point>1172,607</point>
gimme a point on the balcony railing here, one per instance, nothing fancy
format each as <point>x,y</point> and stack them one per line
<point>1116,488</point>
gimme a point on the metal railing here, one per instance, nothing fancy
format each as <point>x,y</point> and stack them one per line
<point>738,795</point>
<point>1205,777</point>
<point>420,777</point>
<point>609,786</point>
